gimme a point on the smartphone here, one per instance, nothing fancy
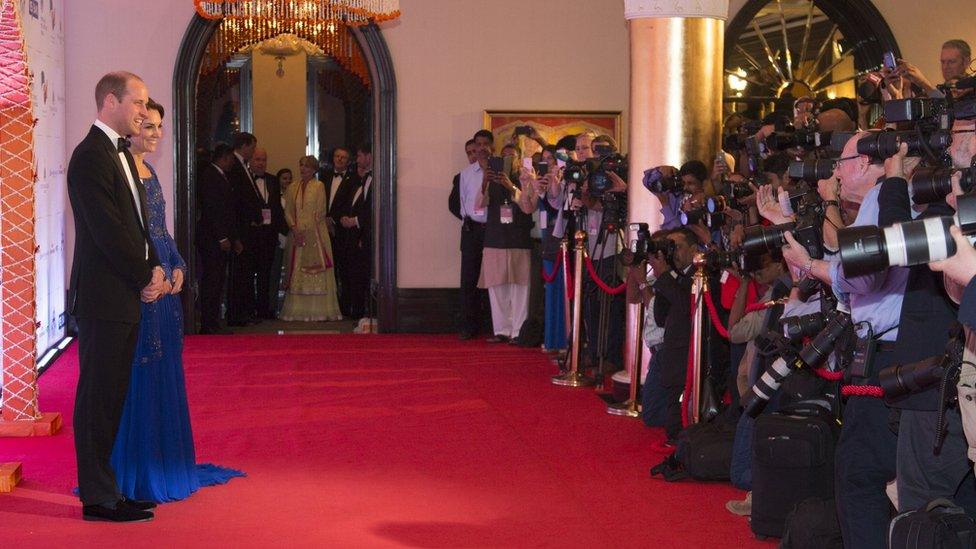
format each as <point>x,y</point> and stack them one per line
<point>527,162</point>
<point>889,61</point>
<point>720,158</point>
<point>507,165</point>
<point>497,163</point>
<point>523,130</point>
<point>541,169</point>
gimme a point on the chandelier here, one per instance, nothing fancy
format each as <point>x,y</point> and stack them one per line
<point>301,12</point>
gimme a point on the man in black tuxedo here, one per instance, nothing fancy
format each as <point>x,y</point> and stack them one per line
<point>216,234</point>
<point>265,236</point>
<point>249,205</point>
<point>354,235</point>
<point>341,184</point>
<point>115,265</point>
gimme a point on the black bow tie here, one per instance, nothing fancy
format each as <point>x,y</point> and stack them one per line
<point>123,143</point>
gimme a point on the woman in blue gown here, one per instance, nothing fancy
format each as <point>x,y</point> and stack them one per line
<point>153,457</point>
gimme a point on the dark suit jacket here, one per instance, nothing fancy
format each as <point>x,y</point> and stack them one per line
<point>215,202</point>
<point>967,307</point>
<point>248,203</point>
<point>335,206</point>
<point>110,267</point>
<point>672,310</point>
<point>362,210</point>
<point>274,202</point>
<point>454,200</point>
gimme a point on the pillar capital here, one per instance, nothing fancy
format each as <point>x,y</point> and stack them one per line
<point>643,9</point>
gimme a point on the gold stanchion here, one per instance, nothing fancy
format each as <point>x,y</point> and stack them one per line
<point>698,288</point>
<point>631,408</point>
<point>574,378</point>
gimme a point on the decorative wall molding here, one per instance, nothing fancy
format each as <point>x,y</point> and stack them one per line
<point>643,9</point>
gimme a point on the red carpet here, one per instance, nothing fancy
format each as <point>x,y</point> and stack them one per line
<point>383,441</point>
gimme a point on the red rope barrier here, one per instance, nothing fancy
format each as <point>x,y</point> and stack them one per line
<point>550,278</point>
<point>716,322</point>
<point>689,375</point>
<point>862,390</point>
<point>760,306</point>
<point>599,282</point>
<point>828,375</point>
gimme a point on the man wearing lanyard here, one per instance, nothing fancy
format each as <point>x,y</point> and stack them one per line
<point>265,237</point>
<point>473,299</point>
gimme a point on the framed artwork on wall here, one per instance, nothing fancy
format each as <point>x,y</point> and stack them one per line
<point>551,125</point>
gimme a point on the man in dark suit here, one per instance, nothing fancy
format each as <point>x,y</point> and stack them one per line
<point>265,236</point>
<point>356,230</point>
<point>216,235</point>
<point>672,310</point>
<point>115,265</point>
<point>249,206</point>
<point>341,184</point>
<point>462,203</point>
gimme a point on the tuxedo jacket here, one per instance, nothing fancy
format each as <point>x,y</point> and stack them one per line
<point>113,257</point>
<point>215,202</point>
<point>273,202</point>
<point>362,210</point>
<point>454,199</point>
<point>248,202</point>
<point>335,206</point>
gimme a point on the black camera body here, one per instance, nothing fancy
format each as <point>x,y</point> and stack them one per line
<point>600,183</point>
<point>796,328</point>
<point>807,229</point>
<point>932,184</point>
<point>719,260</point>
<point>656,182</point>
<point>932,143</point>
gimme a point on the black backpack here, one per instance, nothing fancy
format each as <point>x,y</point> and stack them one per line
<point>940,525</point>
<point>813,524</point>
<point>703,452</point>
<point>531,333</point>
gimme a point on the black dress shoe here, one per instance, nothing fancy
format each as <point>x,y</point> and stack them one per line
<point>513,341</point>
<point>121,513</point>
<point>497,339</point>
<point>464,336</point>
<point>138,504</point>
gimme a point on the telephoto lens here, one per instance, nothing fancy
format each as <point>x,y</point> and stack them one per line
<point>656,182</point>
<point>812,170</point>
<point>908,379</point>
<point>933,184</point>
<point>718,260</point>
<point>715,204</point>
<point>870,249</point>
<point>815,353</point>
<point>664,246</point>
<point>692,217</point>
<point>759,240</point>
<point>883,145</point>
<point>796,328</point>
<point>754,401</point>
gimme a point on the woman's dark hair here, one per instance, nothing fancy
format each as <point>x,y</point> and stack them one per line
<point>283,170</point>
<point>154,106</point>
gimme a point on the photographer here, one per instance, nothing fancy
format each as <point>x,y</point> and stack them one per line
<point>672,309</point>
<point>955,58</point>
<point>865,459</point>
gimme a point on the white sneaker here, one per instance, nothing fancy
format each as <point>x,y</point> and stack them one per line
<point>742,508</point>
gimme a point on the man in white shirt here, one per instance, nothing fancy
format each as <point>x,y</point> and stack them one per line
<point>473,300</point>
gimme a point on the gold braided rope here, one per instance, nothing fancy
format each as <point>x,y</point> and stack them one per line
<point>17,244</point>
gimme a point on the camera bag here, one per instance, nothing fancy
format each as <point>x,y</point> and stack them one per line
<point>813,524</point>
<point>940,525</point>
<point>703,452</point>
<point>792,460</point>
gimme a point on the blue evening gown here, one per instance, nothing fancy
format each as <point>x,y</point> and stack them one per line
<point>153,457</point>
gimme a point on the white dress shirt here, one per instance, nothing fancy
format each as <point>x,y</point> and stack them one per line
<point>336,181</point>
<point>362,192</point>
<point>470,189</point>
<point>114,138</point>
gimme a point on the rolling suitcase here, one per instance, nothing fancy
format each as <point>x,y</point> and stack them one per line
<point>793,459</point>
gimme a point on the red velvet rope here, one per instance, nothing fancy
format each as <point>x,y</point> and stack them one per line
<point>760,306</point>
<point>689,375</point>
<point>714,315</point>
<point>570,282</point>
<point>550,278</point>
<point>862,390</point>
<point>599,282</point>
<point>828,375</point>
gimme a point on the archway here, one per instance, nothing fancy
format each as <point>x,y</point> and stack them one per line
<point>380,64</point>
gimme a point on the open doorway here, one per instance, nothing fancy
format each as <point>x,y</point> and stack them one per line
<point>346,96</point>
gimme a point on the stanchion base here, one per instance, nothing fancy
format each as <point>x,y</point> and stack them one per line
<point>9,476</point>
<point>624,409</point>
<point>44,426</point>
<point>573,379</point>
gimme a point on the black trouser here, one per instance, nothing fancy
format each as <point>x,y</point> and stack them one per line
<point>673,424</point>
<point>592,296</point>
<point>240,295</point>
<point>265,239</point>
<point>474,301</point>
<point>105,351</point>
<point>923,475</point>
<point>213,266</point>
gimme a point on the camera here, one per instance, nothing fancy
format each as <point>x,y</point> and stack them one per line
<point>808,139</point>
<point>807,229</point>
<point>908,379</point>
<point>796,328</point>
<point>600,183</point>
<point>882,145</point>
<point>812,170</point>
<point>933,184</point>
<point>614,210</point>
<point>702,215</point>
<point>871,249</point>
<point>575,172</point>
<point>639,246</point>
<point>812,355</point>
<point>932,111</point>
<point>719,260</point>
<point>656,182</point>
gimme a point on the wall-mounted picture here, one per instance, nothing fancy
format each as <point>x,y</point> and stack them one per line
<point>551,125</point>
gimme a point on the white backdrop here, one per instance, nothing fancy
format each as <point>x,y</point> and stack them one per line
<point>44,37</point>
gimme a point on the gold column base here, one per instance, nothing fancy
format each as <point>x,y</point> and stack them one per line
<point>624,409</point>
<point>573,379</point>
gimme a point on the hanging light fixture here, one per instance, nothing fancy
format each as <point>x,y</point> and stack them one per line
<point>304,13</point>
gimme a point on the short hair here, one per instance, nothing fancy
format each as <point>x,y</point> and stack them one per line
<point>486,134</point>
<point>604,138</point>
<point>689,235</point>
<point>365,147</point>
<point>113,83</point>
<point>154,106</point>
<point>468,143</point>
<point>694,168</point>
<point>309,161</point>
<point>221,150</point>
<point>512,146</point>
<point>844,104</point>
<point>340,148</point>
<point>283,171</point>
<point>960,45</point>
<point>567,142</point>
<point>778,163</point>
<point>244,139</point>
